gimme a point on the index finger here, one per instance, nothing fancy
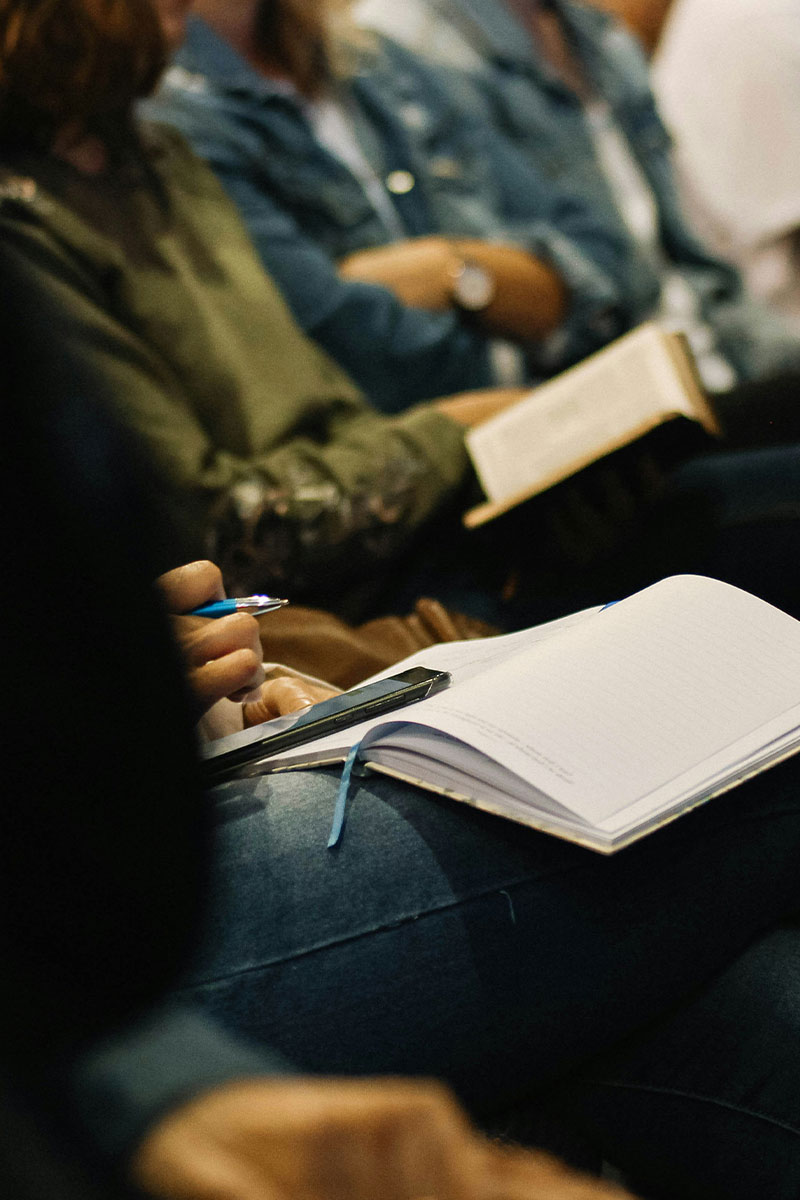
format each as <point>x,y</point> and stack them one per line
<point>191,585</point>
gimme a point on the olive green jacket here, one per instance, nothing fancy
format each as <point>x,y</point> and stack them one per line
<point>274,455</point>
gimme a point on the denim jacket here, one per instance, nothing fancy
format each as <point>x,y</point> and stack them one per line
<point>544,118</point>
<point>305,210</point>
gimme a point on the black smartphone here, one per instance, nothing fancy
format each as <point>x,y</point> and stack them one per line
<point>228,754</point>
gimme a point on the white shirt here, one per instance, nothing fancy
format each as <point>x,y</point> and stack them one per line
<point>679,307</point>
<point>334,128</point>
<point>727,79</point>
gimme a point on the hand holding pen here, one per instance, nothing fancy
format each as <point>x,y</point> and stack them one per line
<point>223,655</point>
<point>222,648</point>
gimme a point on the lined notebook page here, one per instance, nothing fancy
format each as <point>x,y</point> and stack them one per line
<point>462,660</point>
<point>620,704</point>
<point>574,416</point>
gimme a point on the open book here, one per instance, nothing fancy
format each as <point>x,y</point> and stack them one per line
<point>607,401</point>
<point>601,726</point>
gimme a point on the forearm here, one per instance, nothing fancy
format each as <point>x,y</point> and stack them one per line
<point>529,298</point>
<point>313,514</point>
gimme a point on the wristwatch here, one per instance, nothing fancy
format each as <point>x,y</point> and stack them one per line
<point>473,287</point>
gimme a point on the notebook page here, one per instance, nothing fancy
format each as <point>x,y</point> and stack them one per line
<point>462,659</point>
<point>465,659</point>
<point>616,706</point>
<point>715,774</point>
<point>578,414</point>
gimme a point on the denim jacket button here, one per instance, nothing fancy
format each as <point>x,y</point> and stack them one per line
<point>400,182</point>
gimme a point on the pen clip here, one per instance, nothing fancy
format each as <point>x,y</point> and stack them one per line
<point>258,612</point>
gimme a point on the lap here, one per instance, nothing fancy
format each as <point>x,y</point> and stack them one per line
<point>439,940</point>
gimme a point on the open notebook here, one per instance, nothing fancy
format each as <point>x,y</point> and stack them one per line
<point>600,727</point>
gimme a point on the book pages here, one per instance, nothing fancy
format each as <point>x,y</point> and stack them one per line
<point>607,401</point>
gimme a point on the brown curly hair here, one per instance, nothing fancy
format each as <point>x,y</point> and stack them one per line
<point>75,65</point>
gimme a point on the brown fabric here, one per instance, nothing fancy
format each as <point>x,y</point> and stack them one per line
<point>318,643</point>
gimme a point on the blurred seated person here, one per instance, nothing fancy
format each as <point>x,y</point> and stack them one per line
<point>727,80</point>
<point>410,240</point>
<point>104,1083</point>
<point>570,88</point>
<point>270,457</point>
<point>644,1002</point>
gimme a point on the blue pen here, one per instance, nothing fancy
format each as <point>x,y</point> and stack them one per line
<point>255,605</point>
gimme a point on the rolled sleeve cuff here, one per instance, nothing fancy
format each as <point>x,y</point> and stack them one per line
<point>440,439</point>
<point>125,1083</point>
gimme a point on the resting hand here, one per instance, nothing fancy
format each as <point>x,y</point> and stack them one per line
<point>472,408</point>
<point>222,657</point>
<point>283,695</point>
<point>295,1139</point>
<point>530,299</point>
<point>418,270</point>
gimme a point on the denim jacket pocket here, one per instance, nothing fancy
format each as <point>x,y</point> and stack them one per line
<point>334,212</point>
<point>456,174</point>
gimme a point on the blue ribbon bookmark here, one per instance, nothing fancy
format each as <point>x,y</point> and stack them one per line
<point>340,811</point>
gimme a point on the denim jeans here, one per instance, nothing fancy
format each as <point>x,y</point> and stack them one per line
<point>625,994</point>
<point>719,1077</point>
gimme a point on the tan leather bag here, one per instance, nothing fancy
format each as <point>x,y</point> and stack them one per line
<point>320,644</point>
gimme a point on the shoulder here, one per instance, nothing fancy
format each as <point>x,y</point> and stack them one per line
<point>406,79</point>
<point>170,154</point>
<point>35,220</point>
<point>695,27</point>
<point>225,127</point>
<point>728,42</point>
<point>30,226</point>
<point>21,197</point>
<point>182,99</point>
<point>49,244</point>
<point>384,56</point>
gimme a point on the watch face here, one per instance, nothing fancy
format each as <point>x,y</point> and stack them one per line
<point>473,287</point>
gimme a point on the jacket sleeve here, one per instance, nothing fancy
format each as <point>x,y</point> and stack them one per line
<point>554,225</point>
<point>397,354</point>
<point>352,490</point>
<point>121,1086</point>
